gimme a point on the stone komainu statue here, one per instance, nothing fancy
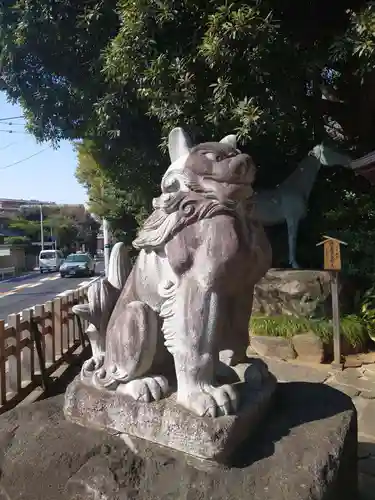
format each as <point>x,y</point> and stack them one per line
<point>190,291</point>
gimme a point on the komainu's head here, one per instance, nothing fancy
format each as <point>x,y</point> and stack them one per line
<point>217,170</point>
<point>208,179</point>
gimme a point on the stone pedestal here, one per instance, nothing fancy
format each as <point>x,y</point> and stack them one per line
<point>305,450</point>
<point>168,424</point>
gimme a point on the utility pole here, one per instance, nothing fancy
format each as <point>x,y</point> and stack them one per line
<point>106,236</point>
<point>106,243</point>
<point>51,235</point>
<point>41,228</point>
<point>106,233</point>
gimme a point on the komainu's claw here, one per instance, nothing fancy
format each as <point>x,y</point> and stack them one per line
<point>146,389</point>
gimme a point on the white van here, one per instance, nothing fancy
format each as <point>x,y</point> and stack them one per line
<point>50,260</point>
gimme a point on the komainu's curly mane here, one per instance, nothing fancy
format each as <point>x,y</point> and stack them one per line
<point>168,220</point>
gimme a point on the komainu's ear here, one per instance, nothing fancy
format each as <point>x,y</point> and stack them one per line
<point>179,144</point>
<point>231,140</point>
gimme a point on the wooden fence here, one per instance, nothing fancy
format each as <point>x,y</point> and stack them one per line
<point>35,343</point>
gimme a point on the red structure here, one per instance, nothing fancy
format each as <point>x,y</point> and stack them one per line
<point>365,166</point>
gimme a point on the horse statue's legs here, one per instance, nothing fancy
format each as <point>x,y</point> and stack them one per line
<point>292,225</point>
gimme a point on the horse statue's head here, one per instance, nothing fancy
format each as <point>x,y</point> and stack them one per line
<point>328,157</point>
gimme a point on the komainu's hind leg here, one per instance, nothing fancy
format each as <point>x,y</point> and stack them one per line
<point>130,351</point>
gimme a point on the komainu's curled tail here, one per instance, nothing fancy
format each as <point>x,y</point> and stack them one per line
<point>102,296</point>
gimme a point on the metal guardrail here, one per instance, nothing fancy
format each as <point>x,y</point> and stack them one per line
<point>7,270</point>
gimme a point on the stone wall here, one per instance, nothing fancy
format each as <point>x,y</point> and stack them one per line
<point>17,258</point>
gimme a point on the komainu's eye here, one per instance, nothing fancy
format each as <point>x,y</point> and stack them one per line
<point>211,156</point>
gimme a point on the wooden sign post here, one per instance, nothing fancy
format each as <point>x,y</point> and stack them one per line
<point>332,263</point>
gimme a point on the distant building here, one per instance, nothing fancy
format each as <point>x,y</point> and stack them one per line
<point>9,206</point>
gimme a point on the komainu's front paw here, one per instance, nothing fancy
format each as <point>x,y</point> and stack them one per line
<point>210,401</point>
<point>93,364</point>
<point>146,389</point>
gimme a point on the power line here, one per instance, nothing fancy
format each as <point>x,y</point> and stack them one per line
<point>11,124</point>
<point>10,118</point>
<point>24,159</point>
<point>12,131</point>
<point>7,146</point>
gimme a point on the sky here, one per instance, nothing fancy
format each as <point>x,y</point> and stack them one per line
<point>48,176</point>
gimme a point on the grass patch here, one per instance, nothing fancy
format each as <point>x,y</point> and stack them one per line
<point>352,328</point>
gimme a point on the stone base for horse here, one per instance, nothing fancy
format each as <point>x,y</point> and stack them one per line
<point>168,424</point>
<point>302,293</point>
<point>305,450</point>
<point>296,292</point>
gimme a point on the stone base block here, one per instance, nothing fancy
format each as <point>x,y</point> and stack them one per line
<point>305,450</point>
<point>309,347</point>
<point>273,347</point>
<point>168,424</point>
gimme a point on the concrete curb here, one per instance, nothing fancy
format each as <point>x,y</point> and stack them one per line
<point>19,278</point>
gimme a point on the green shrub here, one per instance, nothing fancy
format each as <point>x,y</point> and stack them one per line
<point>16,240</point>
<point>368,312</point>
<point>352,327</point>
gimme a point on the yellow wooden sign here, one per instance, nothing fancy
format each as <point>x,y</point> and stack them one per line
<point>332,256</point>
<point>332,253</point>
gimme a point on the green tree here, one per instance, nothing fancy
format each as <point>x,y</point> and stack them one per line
<point>29,228</point>
<point>257,67</point>
<point>120,74</point>
<point>63,229</point>
<point>123,206</point>
<point>71,226</point>
<point>16,240</point>
<point>51,61</point>
<point>72,229</point>
<point>87,234</point>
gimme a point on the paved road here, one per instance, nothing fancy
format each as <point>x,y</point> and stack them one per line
<point>37,289</point>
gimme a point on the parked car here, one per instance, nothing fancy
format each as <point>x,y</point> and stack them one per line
<point>50,260</point>
<point>78,264</point>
